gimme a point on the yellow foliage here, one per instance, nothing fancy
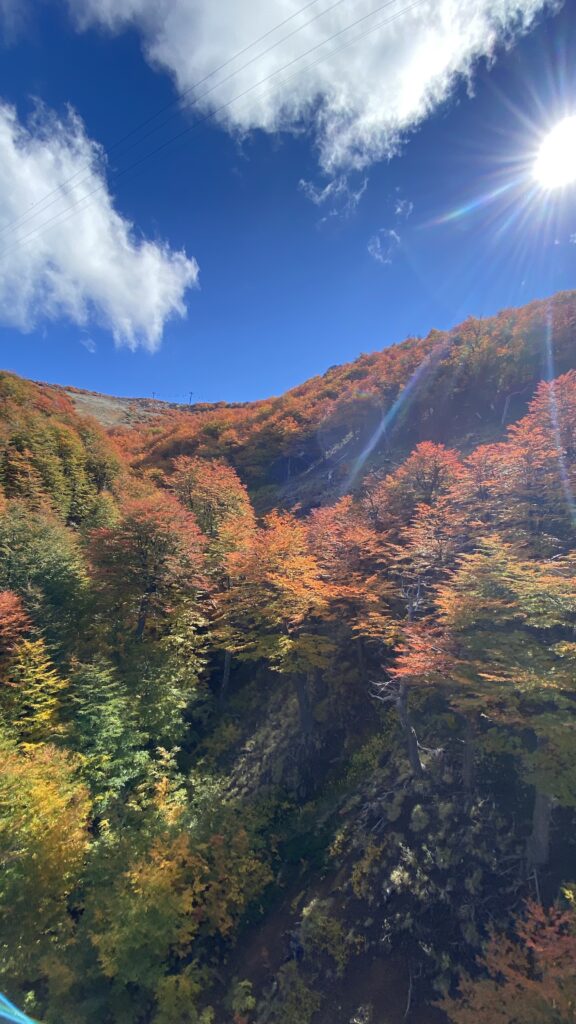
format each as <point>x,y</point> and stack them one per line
<point>43,839</point>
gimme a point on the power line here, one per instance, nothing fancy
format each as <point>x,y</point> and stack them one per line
<point>232,74</point>
<point>213,113</point>
<point>56,193</point>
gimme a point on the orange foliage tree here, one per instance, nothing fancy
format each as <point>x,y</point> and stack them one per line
<point>213,492</point>
<point>14,622</point>
<point>278,605</point>
<point>527,979</point>
<point>426,475</point>
<point>148,562</point>
<point>351,556</point>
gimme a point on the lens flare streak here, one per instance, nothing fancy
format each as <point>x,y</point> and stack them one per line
<point>11,1013</point>
<point>555,418</point>
<point>388,419</point>
<point>472,205</point>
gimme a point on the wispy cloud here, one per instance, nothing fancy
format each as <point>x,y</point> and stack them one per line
<point>86,264</point>
<point>360,93</point>
<point>403,208</point>
<point>339,197</point>
<point>89,344</point>
<point>14,15</point>
<point>383,245</point>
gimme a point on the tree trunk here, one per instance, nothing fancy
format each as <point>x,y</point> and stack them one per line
<point>409,731</point>
<point>538,845</point>
<point>144,609</point>
<point>142,617</point>
<point>306,718</point>
<point>225,678</point>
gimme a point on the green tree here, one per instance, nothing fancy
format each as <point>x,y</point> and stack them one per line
<point>42,562</point>
<point>104,731</point>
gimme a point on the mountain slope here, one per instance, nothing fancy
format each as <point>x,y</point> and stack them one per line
<point>309,767</point>
<point>459,387</point>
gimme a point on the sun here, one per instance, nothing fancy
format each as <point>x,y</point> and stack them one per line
<point>556,161</point>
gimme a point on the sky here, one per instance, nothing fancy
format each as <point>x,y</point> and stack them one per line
<point>362,173</point>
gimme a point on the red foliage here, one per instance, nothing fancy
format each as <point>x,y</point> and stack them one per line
<point>425,654</point>
<point>151,560</point>
<point>429,473</point>
<point>216,496</point>
<point>351,555</point>
<point>531,978</point>
<point>14,621</point>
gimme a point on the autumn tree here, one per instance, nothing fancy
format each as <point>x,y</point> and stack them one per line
<point>20,477</point>
<point>32,693</point>
<point>149,564</point>
<point>277,606</point>
<point>427,550</point>
<point>423,478</point>
<point>213,492</point>
<point>481,491</point>
<point>50,457</point>
<point>352,558</point>
<point>41,561</point>
<point>540,483</point>
<point>424,532</point>
<point>501,647</point>
<point>526,978</point>
<point>161,899</point>
<point>148,571</point>
<point>43,842</point>
<point>14,623</point>
<point>217,498</point>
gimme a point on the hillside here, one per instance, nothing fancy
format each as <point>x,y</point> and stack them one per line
<point>460,387</point>
<point>110,411</point>
<point>288,713</point>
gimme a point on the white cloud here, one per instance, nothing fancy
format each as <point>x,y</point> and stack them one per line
<point>383,245</point>
<point>339,197</point>
<point>361,100</point>
<point>87,266</point>
<point>89,344</point>
<point>573,239</point>
<point>403,208</point>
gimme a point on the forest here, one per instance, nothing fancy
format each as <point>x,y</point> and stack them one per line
<point>288,694</point>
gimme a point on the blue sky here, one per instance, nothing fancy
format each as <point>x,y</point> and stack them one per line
<point>306,257</point>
